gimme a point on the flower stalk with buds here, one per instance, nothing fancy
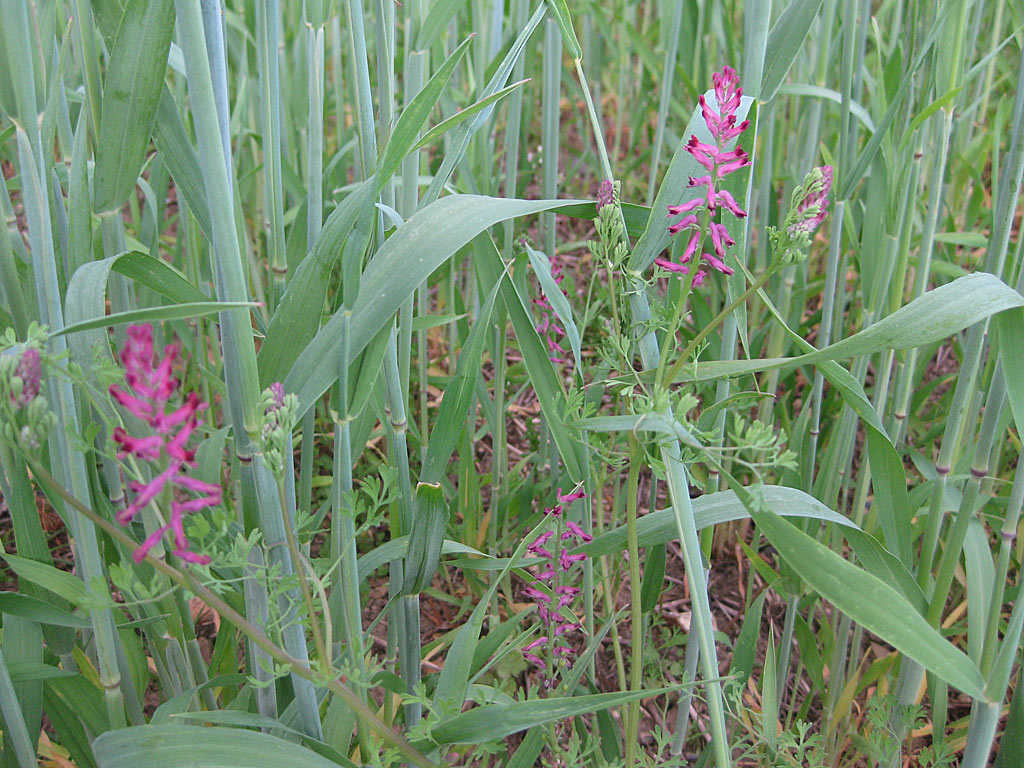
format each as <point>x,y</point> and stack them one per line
<point>552,591</point>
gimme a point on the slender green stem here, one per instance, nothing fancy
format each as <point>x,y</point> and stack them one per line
<point>728,310</point>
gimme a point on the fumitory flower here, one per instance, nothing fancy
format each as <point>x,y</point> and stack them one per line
<point>25,415</point>
<point>148,395</point>
<point>719,162</point>
<point>28,375</point>
<point>808,208</point>
<point>550,590</point>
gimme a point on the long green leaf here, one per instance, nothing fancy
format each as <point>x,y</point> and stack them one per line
<point>464,114</point>
<point>59,582</point>
<point>233,717</point>
<point>869,601</point>
<point>712,509</point>
<point>927,319</point>
<point>785,40</point>
<point>412,118</point>
<point>39,610</point>
<point>458,395</point>
<point>192,746</point>
<point>131,93</point>
<point>561,11</point>
<point>496,721</point>
<point>158,314</point>
<point>427,240</point>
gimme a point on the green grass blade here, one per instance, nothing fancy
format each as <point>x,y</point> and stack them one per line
<point>868,600</point>
<point>39,610</point>
<point>464,114</point>
<point>428,239</point>
<point>14,723</point>
<point>458,395</point>
<point>496,721</point>
<point>412,118</point>
<point>785,40</point>
<point>713,509</point>
<point>561,13</point>
<point>193,746</point>
<point>131,93</point>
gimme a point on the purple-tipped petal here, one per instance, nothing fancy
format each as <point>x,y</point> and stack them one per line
<point>672,266</point>
<point>568,498</point>
<point>717,264</point>
<point>727,201</point>
<point>147,448</point>
<point>539,641</point>
<point>577,531</point>
<point>143,549</point>
<point>675,210</point>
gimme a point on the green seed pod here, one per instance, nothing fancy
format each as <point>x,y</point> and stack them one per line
<point>430,515</point>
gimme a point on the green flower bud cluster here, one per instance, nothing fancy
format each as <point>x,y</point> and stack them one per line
<point>610,247</point>
<point>808,208</point>
<point>24,411</point>
<point>280,412</point>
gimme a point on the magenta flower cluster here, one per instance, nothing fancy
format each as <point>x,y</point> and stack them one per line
<point>555,594</point>
<point>719,163</point>
<point>605,194</point>
<point>549,328</point>
<point>150,390</point>
<point>30,372</point>
<point>812,208</point>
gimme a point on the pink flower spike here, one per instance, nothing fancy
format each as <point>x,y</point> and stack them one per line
<point>150,388</point>
<point>535,660</point>
<point>691,248</point>
<point>542,539</point>
<point>192,557</point>
<point>720,238</point>
<point>191,407</point>
<point>605,194</point>
<point>134,405</point>
<point>148,492</point>
<point>685,223</point>
<point>701,153</point>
